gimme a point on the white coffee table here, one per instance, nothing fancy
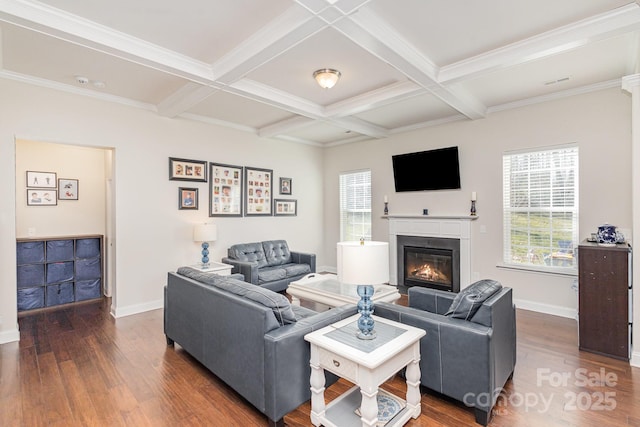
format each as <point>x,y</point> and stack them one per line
<point>366,363</point>
<point>325,289</point>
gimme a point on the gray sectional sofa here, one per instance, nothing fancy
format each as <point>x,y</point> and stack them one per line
<point>248,336</point>
<point>270,263</point>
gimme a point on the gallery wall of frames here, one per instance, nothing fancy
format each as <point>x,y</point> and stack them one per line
<point>45,188</point>
<point>234,191</point>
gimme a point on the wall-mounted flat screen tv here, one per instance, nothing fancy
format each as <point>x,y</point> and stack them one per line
<point>427,170</point>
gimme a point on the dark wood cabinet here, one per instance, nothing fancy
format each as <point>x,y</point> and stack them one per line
<point>604,288</point>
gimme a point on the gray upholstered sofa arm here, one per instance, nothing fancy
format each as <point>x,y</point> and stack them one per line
<point>287,356</point>
<point>248,268</point>
<point>304,258</point>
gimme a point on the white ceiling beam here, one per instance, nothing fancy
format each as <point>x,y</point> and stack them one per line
<point>285,126</point>
<point>374,99</point>
<point>618,21</point>
<point>57,23</point>
<point>361,126</point>
<point>292,27</point>
<point>372,34</point>
<point>184,98</point>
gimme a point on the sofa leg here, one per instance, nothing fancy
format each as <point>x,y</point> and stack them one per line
<point>482,416</point>
<point>279,423</point>
<point>170,342</point>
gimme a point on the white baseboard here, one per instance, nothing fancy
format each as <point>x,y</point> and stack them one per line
<point>635,359</point>
<point>555,310</point>
<point>137,308</point>
<point>10,336</point>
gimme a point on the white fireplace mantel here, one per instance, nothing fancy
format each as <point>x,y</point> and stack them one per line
<point>445,226</point>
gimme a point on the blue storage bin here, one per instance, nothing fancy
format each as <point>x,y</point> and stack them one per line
<point>88,289</point>
<point>30,252</point>
<point>59,250</point>
<point>88,268</point>
<point>30,298</point>
<point>59,272</point>
<point>87,248</point>
<point>30,275</point>
<point>59,294</point>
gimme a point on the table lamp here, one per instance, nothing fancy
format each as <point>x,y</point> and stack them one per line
<point>365,264</point>
<point>205,233</point>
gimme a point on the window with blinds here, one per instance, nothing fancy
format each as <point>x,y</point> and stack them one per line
<point>540,201</point>
<point>355,205</point>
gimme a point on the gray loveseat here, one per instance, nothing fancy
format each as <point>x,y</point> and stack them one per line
<point>270,263</point>
<point>468,355</point>
<point>249,337</point>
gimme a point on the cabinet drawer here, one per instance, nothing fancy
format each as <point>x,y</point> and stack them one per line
<point>88,269</point>
<point>59,294</point>
<point>30,252</point>
<point>59,272</point>
<point>59,250</point>
<point>338,365</point>
<point>30,275</point>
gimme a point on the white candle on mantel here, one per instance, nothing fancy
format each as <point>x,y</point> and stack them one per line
<point>473,196</point>
<point>385,199</point>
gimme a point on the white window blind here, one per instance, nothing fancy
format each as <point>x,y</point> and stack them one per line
<point>355,205</point>
<point>540,200</point>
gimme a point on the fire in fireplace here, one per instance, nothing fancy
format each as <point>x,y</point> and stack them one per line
<point>429,262</point>
<point>426,266</point>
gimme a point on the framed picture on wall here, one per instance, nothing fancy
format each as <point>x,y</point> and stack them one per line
<point>285,186</point>
<point>67,189</point>
<point>187,170</point>
<point>225,190</point>
<point>285,207</point>
<point>187,198</point>
<point>41,197</point>
<point>41,179</point>
<point>258,191</point>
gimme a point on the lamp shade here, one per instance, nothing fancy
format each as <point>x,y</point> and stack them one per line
<point>363,264</point>
<point>205,233</point>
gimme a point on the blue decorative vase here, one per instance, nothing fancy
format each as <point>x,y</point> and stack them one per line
<point>205,255</point>
<point>365,308</point>
<point>607,234</point>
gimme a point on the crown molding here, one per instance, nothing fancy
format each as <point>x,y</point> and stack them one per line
<point>57,23</point>
<point>629,82</point>
<point>62,87</point>
<point>617,21</point>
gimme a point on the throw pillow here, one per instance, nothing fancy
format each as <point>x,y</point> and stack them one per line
<point>469,300</point>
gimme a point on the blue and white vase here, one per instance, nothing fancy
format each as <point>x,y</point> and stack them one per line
<point>607,234</point>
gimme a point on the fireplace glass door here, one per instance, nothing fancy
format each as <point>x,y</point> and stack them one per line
<point>428,267</point>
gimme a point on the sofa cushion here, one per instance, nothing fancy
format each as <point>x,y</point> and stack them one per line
<point>276,252</point>
<point>271,274</point>
<point>248,252</point>
<point>278,303</point>
<point>467,302</point>
<point>296,269</point>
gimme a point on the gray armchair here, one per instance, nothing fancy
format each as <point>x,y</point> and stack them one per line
<point>468,359</point>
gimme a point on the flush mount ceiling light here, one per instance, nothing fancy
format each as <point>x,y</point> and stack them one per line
<point>326,77</point>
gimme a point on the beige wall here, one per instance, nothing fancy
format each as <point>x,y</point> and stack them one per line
<point>600,123</point>
<point>152,236</point>
<point>69,217</point>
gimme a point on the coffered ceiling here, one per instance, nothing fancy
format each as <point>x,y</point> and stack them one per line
<point>248,64</point>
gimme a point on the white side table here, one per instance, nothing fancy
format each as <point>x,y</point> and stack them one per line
<point>215,267</point>
<point>366,363</point>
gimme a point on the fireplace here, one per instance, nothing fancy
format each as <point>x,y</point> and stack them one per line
<point>430,262</point>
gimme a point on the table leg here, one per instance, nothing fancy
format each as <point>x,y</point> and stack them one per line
<point>317,381</point>
<point>295,300</point>
<point>369,408</point>
<point>413,388</point>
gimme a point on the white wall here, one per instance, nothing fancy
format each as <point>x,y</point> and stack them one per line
<point>69,217</point>
<point>600,123</point>
<point>152,235</point>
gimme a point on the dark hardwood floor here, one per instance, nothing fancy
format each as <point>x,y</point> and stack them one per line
<point>77,366</point>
